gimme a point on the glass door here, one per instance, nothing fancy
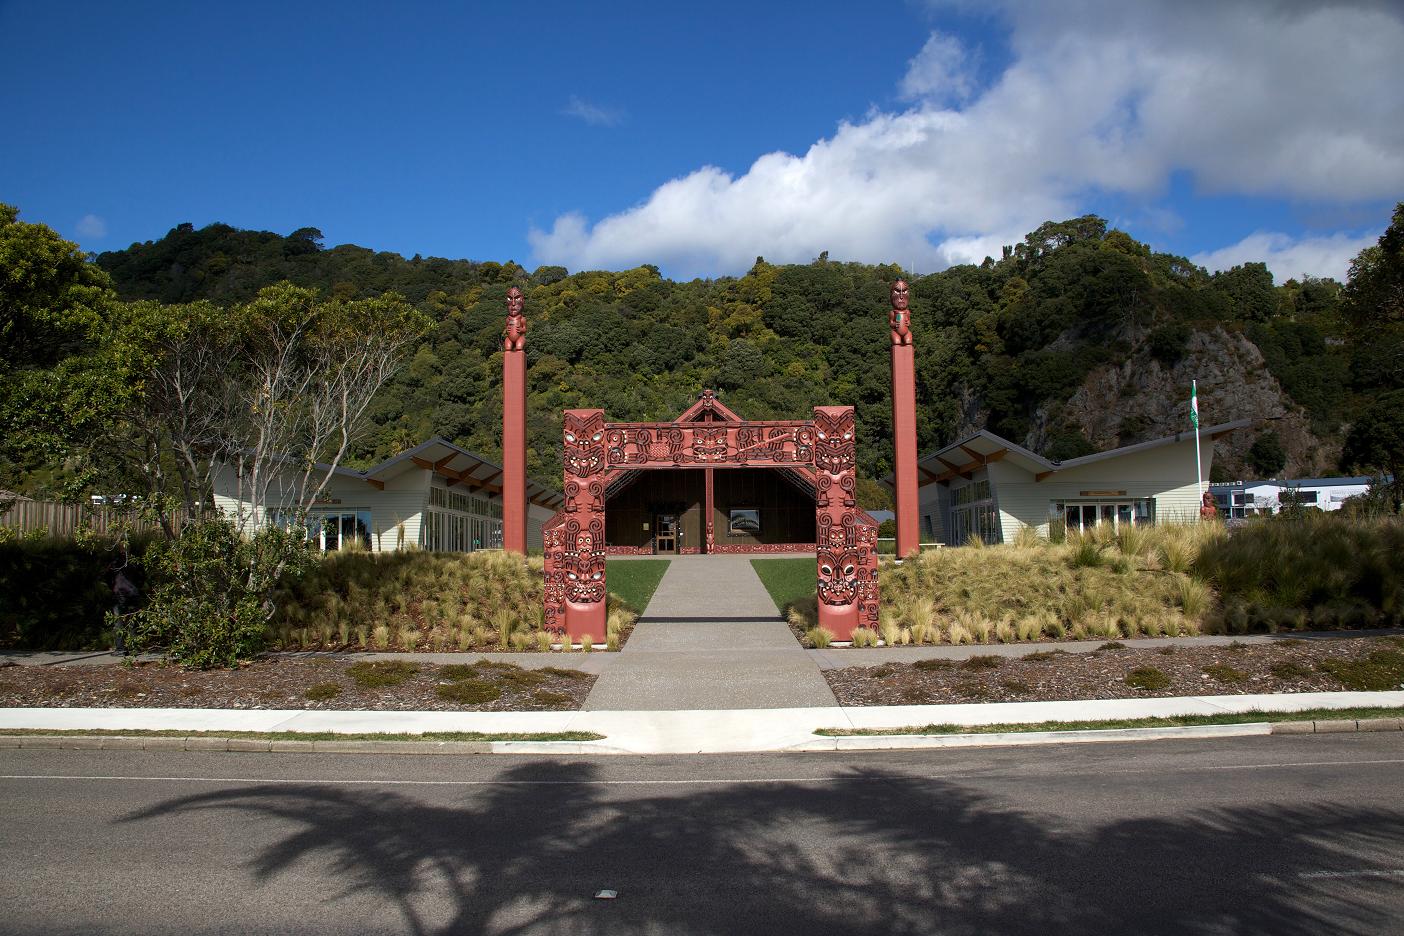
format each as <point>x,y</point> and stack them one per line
<point>665,540</point>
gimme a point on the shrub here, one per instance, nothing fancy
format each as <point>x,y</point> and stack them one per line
<point>819,637</point>
<point>1112,645</point>
<point>1222,672</point>
<point>213,590</point>
<point>1147,678</point>
<point>933,665</point>
<point>1290,670</point>
<point>982,662</point>
<point>321,692</point>
<point>1380,671</point>
<point>547,697</point>
<point>381,674</point>
<point>468,692</point>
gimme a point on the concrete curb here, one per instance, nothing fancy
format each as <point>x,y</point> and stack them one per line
<point>849,743</point>
<point>260,746</point>
<point>660,732</point>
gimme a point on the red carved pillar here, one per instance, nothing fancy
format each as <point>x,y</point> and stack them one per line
<point>580,561</point>
<point>847,581</point>
<point>514,502</point>
<point>711,541</point>
<point>904,435</point>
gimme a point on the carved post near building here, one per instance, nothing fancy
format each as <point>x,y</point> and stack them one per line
<point>579,559</point>
<point>847,566</point>
<point>514,504</point>
<point>904,441</point>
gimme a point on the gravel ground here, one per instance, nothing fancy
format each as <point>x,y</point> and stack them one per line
<point>283,684</point>
<point>1236,669</point>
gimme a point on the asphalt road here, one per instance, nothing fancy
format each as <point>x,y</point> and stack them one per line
<point>1277,835</point>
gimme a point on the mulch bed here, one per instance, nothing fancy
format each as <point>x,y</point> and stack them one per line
<point>1238,669</point>
<point>285,684</point>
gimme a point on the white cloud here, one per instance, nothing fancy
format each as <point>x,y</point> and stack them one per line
<point>91,227</point>
<point>1284,100</point>
<point>942,71</point>
<point>592,114</point>
<point>1289,257</point>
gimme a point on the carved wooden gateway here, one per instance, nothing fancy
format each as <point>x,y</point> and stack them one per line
<point>822,448</point>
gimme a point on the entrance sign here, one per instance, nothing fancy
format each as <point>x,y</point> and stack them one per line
<point>823,447</point>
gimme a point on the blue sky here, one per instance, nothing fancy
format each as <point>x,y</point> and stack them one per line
<point>697,136</point>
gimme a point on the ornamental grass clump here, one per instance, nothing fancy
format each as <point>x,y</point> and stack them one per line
<point>864,637</point>
<point>819,637</point>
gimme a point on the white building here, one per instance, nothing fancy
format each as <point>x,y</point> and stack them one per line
<point>434,496</point>
<point>989,487</point>
<point>1240,499</point>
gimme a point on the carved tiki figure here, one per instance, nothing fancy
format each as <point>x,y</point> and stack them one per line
<point>709,446</point>
<point>514,335</point>
<point>584,454</point>
<point>833,442</point>
<point>583,562</point>
<point>838,576</point>
<point>900,318</point>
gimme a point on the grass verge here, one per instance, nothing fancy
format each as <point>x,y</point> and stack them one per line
<point>787,580</point>
<point>635,580</point>
<point>1168,721</point>
<point>313,735</point>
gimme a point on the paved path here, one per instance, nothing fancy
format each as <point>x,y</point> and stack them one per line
<point>710,639</point>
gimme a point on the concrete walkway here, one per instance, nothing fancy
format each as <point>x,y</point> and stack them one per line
<point>710,639</point>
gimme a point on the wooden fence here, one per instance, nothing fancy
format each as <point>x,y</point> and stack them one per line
<point>26,516</point>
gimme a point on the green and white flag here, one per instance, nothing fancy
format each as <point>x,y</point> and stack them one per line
<point>1194,403</point>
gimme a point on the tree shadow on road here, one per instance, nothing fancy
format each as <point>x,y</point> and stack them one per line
<point>867,853</point>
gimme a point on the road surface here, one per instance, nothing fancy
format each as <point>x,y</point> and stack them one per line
<point>1276,835</point>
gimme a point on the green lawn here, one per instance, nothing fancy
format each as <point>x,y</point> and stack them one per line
<point>787,580</point>
<point>1169,721</point>
<point>635,580</point>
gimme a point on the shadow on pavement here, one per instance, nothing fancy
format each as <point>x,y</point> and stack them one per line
<point>867,854</point>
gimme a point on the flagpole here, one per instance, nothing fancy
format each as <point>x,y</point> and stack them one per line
<point>1194,418</point>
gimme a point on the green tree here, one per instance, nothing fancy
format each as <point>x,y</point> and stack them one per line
<point>1374,302</point>
<point>1376,441</point>
<point>1266,456</point>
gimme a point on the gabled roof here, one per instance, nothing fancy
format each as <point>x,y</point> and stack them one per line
<point>983,448</point>
<point>457,465</point>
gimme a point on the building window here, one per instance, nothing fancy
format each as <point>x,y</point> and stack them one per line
<point>744,521</point>
<point>974,513</point>
<point>331,529</point>
<point>1084,515</point>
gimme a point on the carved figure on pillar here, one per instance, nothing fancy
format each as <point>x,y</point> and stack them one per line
<point>900,317</point>
<point>514,507</point>
<point>514,335</point>
<point>575,552</point>
<point>904,455</point>
<point>846,560</point>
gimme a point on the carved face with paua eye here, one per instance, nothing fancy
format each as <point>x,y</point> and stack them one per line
<point>584,453</point>
<point>515,301</point>
<point>838,577</point>
<point>709,445</point>
<point>833,442</point>
<point>584,568</point>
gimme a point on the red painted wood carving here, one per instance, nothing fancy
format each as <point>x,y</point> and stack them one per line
<point>822,448</point>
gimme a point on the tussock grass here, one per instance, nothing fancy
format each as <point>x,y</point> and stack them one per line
<point>415,600</point>
<point>819,637</point>
<point>1320,571</point>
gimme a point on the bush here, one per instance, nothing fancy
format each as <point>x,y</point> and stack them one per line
<point>381,674</point>
<point>1318,570</point>
<point>54,592</point>
<point>1148,678</point>
<point>322,692</point>
<point>212,592</point>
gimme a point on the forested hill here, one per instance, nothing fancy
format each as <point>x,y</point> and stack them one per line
<point>1078,339</point>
